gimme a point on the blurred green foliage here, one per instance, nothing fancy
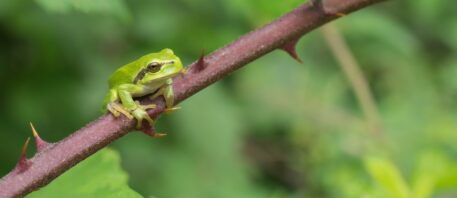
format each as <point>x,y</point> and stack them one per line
<point>275,128</point>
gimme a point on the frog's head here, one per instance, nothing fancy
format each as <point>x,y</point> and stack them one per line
<point>159,66</point>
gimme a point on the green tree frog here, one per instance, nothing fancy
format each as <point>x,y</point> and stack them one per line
<point>150,74</point>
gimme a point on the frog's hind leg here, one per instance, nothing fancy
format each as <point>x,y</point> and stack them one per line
<point>112,105</point>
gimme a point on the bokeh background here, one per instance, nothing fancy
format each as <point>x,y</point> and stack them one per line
<point>275,128</point>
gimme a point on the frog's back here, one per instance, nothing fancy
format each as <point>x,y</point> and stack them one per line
<point>123,75</point>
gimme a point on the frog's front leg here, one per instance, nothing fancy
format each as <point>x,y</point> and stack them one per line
<point>126,93</point>
<point>167,92</point>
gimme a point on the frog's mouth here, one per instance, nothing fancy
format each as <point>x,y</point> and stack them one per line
<point>167,75</point>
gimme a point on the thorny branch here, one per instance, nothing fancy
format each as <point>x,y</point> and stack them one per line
<point>54,159</point>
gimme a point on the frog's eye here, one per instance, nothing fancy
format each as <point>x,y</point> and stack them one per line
<point>154,67</point>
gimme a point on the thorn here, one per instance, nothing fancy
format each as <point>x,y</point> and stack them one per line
<point>149,130</point>
<point>24,148</point>
<point>158,135</point>
<point>23,164</point>
<point>200,65</point>
<point>340,14</point>
<point>315,3</point>
<point>319,4</point>
<point>290,49</point>
<point>40,143</point>
<point>172,109</point>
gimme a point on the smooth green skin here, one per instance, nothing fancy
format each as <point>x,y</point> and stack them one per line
<point>125,84</point>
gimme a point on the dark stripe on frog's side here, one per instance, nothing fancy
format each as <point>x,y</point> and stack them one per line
<point>150,68</point>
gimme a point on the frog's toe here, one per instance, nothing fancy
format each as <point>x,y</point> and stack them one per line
<point>146,107</point>
<point>149,119</point>
<point>116,109</point>
<point>112,110</point>
<point>149,106</point>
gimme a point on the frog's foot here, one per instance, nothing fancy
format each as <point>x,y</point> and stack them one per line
<point>171,109</point>
<point>116,109</point>
<point>140,114</point>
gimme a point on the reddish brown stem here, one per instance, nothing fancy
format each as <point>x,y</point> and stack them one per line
<point>61,156</point>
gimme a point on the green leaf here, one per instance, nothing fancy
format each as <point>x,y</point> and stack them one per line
<point>435,171</point>
<point>431,165</point>
<point>98,176</point>
<point>387,176</point>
